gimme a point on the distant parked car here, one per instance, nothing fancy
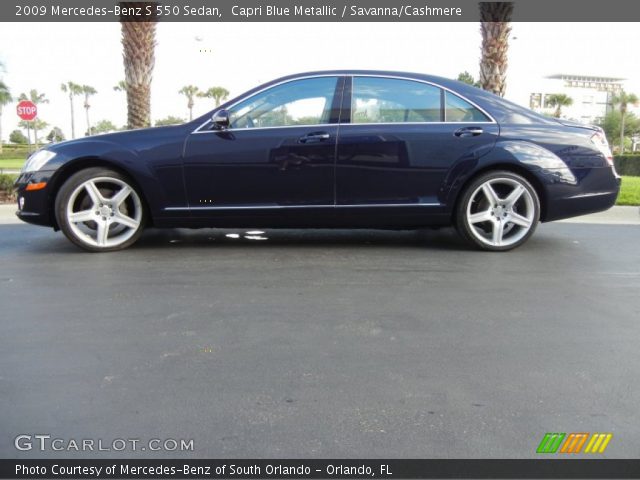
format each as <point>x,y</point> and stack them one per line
<point>349,149</point>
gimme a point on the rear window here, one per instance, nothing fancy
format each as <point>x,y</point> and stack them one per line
<point>458,110</point>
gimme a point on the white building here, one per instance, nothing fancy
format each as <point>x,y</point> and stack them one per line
<point>591,96</point>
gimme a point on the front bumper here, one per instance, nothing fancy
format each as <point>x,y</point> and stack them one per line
<point>35,206</point>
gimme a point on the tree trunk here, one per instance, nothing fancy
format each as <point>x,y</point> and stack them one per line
<point>622,119</point>
<point>138,106</point>
<point>35,135</point>
<point>88,122</point>
<point>73,122</point>
<point>29,134</point>
<point>0,128</point>
<point>495,26</point>
<point>138,42</point>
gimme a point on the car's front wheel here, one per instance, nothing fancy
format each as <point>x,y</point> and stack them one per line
<point>100,210</point>
<point>498,211</point>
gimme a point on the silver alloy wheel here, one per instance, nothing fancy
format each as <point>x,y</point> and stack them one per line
<point>500,212</point>
<point>104,212</point>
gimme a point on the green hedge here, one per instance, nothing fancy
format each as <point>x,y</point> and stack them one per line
<point>15,151</point>
<point>627,165</point>
<point>6,182</point>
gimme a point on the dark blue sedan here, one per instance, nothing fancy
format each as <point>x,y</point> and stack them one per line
<point>348,149</point>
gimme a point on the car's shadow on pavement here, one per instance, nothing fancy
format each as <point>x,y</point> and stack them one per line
<point>29,239</point>
<point>443,239</point>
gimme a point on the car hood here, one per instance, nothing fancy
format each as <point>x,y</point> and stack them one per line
<point>127,137</point>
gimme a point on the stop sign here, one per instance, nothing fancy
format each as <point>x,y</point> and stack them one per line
<point>27,110</point>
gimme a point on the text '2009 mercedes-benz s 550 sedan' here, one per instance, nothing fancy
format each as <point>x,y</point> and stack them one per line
<point>349,149</point>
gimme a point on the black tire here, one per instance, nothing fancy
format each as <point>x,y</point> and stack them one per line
<point>504,222</point>
<point>78,197</point>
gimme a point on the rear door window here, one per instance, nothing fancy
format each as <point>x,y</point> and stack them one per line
<point>391,100</point>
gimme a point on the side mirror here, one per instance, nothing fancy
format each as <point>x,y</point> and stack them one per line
<point>220,120</point>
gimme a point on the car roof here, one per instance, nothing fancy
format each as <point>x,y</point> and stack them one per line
<point>503,111</point>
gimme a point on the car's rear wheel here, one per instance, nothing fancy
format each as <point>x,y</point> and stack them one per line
<point>100,210</point>
<point>498,211</point>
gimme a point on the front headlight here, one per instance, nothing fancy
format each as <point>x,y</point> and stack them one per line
<point>37,161</point>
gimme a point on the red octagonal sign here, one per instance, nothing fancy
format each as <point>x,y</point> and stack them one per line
<point>27,110</point>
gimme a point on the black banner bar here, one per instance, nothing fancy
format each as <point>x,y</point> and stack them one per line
<point>315,469</point>
<point>314,11</point>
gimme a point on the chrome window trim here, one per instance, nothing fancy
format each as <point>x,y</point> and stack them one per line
<point>433,84</point>
<point>416,123</point>
<point>306,77</point>
<point>262,128</point>
<point>280,207</point>
<point>393,77</point>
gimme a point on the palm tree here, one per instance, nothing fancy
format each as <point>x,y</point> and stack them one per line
<point>559,100</point>
<point>120,87</point>
<point>189,91</point>
<point>72,89</point>
<point>495,26</point>
<point>35,125</point>
<point>39,124</point>
<point>5,99</point>
<point>36,98</point>
<point>138,43</point>
<point>219,94</point>
<point>624,99</point>
<point>87,91</point>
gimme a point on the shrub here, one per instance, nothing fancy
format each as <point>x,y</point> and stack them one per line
<point>6,182</point>
<point>6,187</point>
<point>18,138</point>
<point>627,165</point>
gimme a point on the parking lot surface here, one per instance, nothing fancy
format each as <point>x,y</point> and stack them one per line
<point>321,343</point>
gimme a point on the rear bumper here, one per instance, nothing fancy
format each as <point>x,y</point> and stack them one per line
<point>595,190</point>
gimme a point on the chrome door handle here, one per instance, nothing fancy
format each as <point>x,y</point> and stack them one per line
<point>468,132</point>
<point>315,137</point>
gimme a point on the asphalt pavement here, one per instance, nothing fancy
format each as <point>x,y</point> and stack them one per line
<point>319,343</point>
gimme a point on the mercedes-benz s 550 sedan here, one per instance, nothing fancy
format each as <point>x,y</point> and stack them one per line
<point>349,149</point>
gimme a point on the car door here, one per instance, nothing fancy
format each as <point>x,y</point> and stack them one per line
<point>399,139</point>
<point>279,150</point>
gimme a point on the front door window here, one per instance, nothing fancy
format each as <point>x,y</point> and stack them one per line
<point>296,103</point>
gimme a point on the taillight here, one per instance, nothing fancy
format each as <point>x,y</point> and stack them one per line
<point>600,141</point>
